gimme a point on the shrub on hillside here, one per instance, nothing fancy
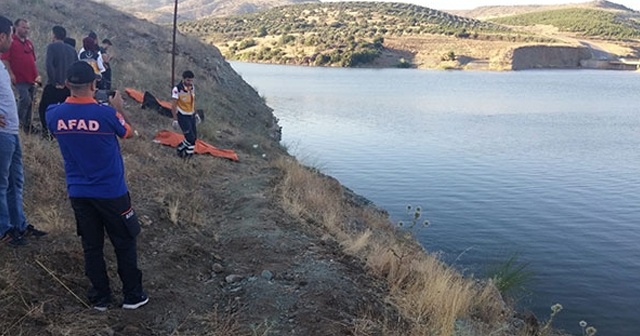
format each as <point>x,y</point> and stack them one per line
<point>247,43</point>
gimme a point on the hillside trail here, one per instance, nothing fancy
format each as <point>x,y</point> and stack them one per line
<point>599,50</point>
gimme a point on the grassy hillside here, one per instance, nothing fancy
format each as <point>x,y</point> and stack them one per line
<point>223,94</point>
<point>584,22</point>
<point>161,11</point>
<point>337,33</point>
<point>489,12</point>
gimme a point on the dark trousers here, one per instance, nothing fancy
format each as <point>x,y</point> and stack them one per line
<point>105,82</point>
<point>25,100</point>
<point>93,217</point>
<point>50,95</point>
<point>188,126</point>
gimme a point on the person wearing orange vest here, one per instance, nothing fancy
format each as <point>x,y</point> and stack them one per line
<point>183,109</point>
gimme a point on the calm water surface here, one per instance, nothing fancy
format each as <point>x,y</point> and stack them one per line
<point>542,163</point>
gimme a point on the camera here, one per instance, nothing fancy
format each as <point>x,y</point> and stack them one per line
<point>102,96</point>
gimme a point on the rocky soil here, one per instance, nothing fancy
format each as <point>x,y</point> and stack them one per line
<point>240,267</point>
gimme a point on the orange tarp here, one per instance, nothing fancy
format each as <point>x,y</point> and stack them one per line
<point>139,97</point>
<point>135,94</point>
<point>173,139</point>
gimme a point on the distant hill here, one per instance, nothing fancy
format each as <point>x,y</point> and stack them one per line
<point>489,12</point>
<point>582,21</point>
<point>161,11</point>
<point>335,33</point>
<point>382,34</point>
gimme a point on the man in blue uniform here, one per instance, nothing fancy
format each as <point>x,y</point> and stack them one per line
<point>87,135</point>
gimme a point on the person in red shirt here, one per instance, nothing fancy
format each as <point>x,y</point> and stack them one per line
<point>20,60</point>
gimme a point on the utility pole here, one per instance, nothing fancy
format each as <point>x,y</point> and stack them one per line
<point>173,52</point>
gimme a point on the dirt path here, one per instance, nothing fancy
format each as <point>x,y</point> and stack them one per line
<point>599,50</point>
<point>240,267</point>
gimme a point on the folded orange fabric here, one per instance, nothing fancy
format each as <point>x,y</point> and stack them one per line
<point>173,139</point>
<point>135,94</point>
<point>139,97</point>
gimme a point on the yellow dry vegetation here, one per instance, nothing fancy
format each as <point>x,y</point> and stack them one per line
<point>430,294</point>
<point>428,50</point>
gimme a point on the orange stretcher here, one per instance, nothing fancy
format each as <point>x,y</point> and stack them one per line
<point>173,139</point>
<point>135,94</point>
<point>139,97</point>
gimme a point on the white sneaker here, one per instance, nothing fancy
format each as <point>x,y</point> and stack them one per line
<point>135,305</point>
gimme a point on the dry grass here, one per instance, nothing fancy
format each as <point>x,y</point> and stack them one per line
<point>430,294</point>
<point>368,325</point>
<point>440,45</point>
<point>54,276</point>
<point>215,322</point>
<point>49,300</point>
<point>156,179</point>
<point>44,169</point>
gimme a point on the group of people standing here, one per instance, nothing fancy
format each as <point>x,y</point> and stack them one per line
<point>20,61</point>
<point>87,134</point>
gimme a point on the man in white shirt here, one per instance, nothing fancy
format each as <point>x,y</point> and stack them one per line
<point>13,223</point>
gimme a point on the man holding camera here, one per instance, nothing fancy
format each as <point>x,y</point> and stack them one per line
<point>87,134</point>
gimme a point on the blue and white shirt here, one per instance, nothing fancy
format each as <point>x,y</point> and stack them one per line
<point>8,107</point>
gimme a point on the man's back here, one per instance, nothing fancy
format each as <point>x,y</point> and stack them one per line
<point>86,133</point>
<point>60,56</point>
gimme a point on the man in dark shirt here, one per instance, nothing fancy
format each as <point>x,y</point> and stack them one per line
<point>70,41</point>
<point>60,56</point>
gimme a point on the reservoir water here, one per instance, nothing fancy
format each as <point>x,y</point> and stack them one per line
<point>545,164</point>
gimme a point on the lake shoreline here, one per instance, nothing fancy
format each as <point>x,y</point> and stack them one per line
<point>533,57</point>
<point>494,170</point>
